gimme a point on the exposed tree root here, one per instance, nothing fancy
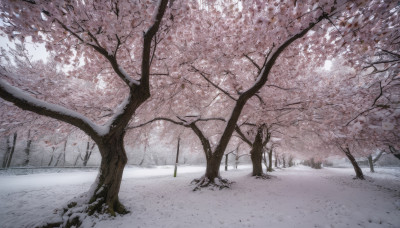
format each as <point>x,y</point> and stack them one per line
<point>263,176</point>
<point>218,183</point>
<point>270,170</point>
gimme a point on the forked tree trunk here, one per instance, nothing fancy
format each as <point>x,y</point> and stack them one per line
<point>109,179</point>
<point>357,169</point>
<point>212,169</point>
<point>371,164</point>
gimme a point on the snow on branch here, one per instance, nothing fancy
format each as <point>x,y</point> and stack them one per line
<point>26,102</point>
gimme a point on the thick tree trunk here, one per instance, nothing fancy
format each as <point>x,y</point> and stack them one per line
<point>256,155</point>
<point>371,164</point>
<point>357,169</point>
<point>212,170</point>
<point>109,179</point>
<point>270,162</point>
<point>212,178</point>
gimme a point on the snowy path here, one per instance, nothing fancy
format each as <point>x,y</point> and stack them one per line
<point>296,197</point>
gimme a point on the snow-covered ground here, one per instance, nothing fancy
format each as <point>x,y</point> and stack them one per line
<point>295,197</point>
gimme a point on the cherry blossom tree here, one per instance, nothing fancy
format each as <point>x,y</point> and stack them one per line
<point>261,138</point>
<point>108,38</point>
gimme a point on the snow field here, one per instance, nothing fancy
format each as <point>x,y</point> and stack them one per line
<point>295,197</point>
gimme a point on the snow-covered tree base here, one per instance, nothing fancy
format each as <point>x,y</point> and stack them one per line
<point>218,183</point>
<point>85,209</point>
<point>270,170</point>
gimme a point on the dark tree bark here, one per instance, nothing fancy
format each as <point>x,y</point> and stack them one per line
<point>357,169</point>
<point>269,169</point>
<point>177,157</point>
<point>7,153</point>
<point>276,160</point>
<point>12,150</point>
<point>256,147</point>
<point>395,152</point>
<point>283,161</point>
<point>108,182</point>
<point>27,149</point>
<point>371,164</point>
<point>256,155</point>
<point>226,162</point>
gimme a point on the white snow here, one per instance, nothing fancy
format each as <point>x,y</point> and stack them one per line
<point>23,96</point>
<point>294,197</point>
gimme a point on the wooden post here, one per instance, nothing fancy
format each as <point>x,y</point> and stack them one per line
<point>226,162</point>
<point>177,157</point>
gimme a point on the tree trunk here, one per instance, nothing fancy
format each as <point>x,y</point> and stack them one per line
<point>276,161</point>
<point>5,158</point>
<point>88,153</point>
<point>357,169</point>
<point>371,164</point>
<point>265,161</point>
<point>12,150</point>
<point>177,157</point>
<point>28,149</point>
<point>212,178</point>
<point>212,170</point>
<point>256,155</point>
<point>76,160</point>
<point>270,162</point>
<point>65,148</point>
<point>52,156</point>
<point>226,162</point>
<point>109,179</point>
<point>58,160</point>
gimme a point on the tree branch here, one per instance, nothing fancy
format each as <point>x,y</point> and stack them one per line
<point>253,62</point>
<point>26,102</point>
<point>242,136</point>
<point>212,83</point>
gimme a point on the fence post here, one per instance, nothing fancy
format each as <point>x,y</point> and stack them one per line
<point>177,157</point>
